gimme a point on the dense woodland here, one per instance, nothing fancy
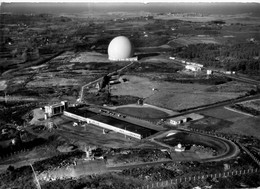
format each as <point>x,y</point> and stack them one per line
<point>243,58</point>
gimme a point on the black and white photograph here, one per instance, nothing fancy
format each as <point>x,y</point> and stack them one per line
<point>129,94</point>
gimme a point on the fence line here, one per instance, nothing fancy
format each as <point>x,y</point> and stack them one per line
<point>249,153</point>
<point>20,151</point>
<point>178,180</point>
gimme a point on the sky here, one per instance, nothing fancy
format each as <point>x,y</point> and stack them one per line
<point>141,1</point>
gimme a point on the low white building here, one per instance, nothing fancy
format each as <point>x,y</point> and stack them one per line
<point>178,120</point>
<point>193,68</point>
<point>209,72</point>
<point>131,59</point>
<point>55,109</point>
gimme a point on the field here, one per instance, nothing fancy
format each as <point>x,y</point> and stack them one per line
<point>145,111</point>
<point>245,126</point>
<point>232,122</point>
<point>193,40</point>
<point>86,57</point>
<point>241,18</point>
<point>173,95</point>
<point>210,124</point>
<point>251,107</point>
<point>255,104</point>
<point>142,112</point>
<point>222,113</point>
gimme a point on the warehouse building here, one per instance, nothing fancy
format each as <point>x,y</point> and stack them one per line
<point>185,118</point>
<point>109,123</point>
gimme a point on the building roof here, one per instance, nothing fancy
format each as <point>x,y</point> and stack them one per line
<point>143,131</point>
<point>124,125</point>
<point>194,116</point>
<point>178,118</point>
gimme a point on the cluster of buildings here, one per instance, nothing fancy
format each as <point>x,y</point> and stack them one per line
<point>98,119</point>
<point>192,66</point>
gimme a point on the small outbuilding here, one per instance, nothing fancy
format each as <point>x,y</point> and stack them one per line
<point>178,120</point>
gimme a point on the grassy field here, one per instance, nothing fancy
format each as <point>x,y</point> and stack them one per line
<point>236,123</point>
<point>135,86</point>
<point>175,96</point>
<point>245,126</point>
<point>222,113</point>
<point>241,18</point>
<point>142,112</point>
<point>193,40</point>
<point>253,104</point>
<point>85,57</point>
<point>210,124</point>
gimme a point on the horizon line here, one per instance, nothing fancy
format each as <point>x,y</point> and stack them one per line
<point>130,1</point>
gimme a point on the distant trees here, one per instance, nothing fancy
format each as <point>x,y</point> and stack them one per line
<point>239,57</point>
<point>218,22</point>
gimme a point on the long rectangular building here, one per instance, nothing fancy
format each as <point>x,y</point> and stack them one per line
<point>110,123</point>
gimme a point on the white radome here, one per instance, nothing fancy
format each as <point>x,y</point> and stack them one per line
<point>120,48</point>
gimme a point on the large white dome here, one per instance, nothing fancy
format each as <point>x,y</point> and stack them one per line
<point>120,48</point>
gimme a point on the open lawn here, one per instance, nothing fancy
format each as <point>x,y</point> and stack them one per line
<point>135,86</point>
<point>238,123</point>
<point>245,126</point>
<point>193,40</point>
<point>252,104</point>
<point>142,112</point>
<point>174,96</point>
<point>210,124</point>
<point>222,113</point>
<point>85,57</point>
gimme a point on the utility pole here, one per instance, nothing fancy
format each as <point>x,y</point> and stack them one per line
<point>37,181</point>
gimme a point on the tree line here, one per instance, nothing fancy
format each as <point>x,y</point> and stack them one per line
<point>243,57</point>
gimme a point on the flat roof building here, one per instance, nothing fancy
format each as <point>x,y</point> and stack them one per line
<point>178,120</point>
<point>109,123</point>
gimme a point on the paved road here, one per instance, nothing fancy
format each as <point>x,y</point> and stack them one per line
<point>100,79</point>
<point>231,148</point>
<point>241,78</point>
<point>214,106</point>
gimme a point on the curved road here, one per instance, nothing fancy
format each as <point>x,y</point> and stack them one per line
<point>231,148</point>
